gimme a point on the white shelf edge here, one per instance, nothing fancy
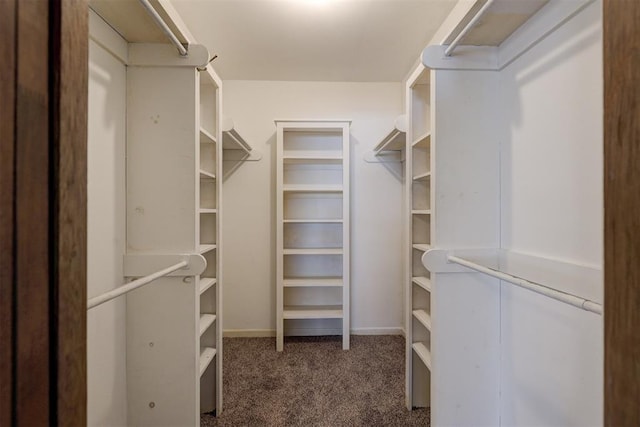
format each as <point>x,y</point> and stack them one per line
<point>423,317</point>
<point>206,248</point>
<point>426,138</point>
<point>421,212</point>
<point>206,137</point>
<point>313,312</point>
<point>423,353</point>
<point>423,282</point>
<point>312,221</point>
<point>206,175</point>
<point>206,356</point>
<point>312,282</point>
<point>422,176</point>
<point>312,188</point>
<point>421,246</point>
<point>208,210</point>
<point>312,251</point>
<point>206,283</point>
<point>206,320</point>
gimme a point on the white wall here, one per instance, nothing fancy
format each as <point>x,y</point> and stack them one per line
<point>249,195</point>
<point>107,397</point>
<point>552,204</point>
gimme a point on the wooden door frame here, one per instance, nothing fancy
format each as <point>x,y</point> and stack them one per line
<point>43,136</point>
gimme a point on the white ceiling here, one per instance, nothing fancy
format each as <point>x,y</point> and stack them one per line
<point>314,40</point>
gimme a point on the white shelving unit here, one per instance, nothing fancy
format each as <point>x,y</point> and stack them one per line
<point>419,208</point>
<point>504,349</point>
<point>312,225</point>
<point>174,161</point>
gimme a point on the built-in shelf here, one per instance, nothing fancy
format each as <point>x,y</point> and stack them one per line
<point>312,221</point>
<point>208,211</point>
<point>422,176</point>
<point>313,157</point>
<point>206,320</point>
<point>206,175</point>
<point>395,140</point>
<point>302,282</point>
<point>422,141</point>
<point>206,356</point>
<point>299,188</point>
<point>421,247</point>
<point>206,137</point>
<point>206,248</point>
<point>423,282</point>
<point>423,353</point>
<point>421,211</point>
<point>312,312</point>
<point>423,317</point>
<point>206,283</point>
<point>312,251</point>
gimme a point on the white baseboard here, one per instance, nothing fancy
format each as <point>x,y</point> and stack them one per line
<point>303,332</point>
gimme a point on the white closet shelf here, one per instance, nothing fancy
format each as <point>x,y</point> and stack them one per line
<point>299,188</point>
<point>206,248</point>
<point>423,282</point>
<point>422,177</point>
<point>206,283</point>
<point>396,139</point>
<point>421,212</point>
<point>423,353</point>
<point>312,312</point>
<point>423,317</point>
<point>313,157</point>
<point>312,251</point>
<point>573,284</point>
<point>312,221</point>
<point>208,210</point>
<point>421,246</point>
<point>206,357</point>
<point>206,137</point>
<point>422,141</point>
<point>206,320</point>
<point>206,175</point>
<point>302,282</point>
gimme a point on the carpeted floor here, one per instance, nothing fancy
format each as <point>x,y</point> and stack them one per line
<point>313,382</point>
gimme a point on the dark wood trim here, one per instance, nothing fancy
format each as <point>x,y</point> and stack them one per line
<point>621,38</point>
<point>7,147</point>
<point>70,67</point>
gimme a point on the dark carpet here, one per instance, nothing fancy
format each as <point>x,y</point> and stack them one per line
<point>313,382</point>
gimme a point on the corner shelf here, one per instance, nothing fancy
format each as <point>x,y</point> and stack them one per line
<point>232,141</point>
<point>394,140</point>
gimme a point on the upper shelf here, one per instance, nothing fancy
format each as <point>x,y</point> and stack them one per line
<point>396,139</point>
<point>491,34</point>
<point>232,140</point>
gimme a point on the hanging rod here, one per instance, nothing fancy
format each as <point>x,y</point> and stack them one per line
<point>449,50</point>
<point>164,27</point>
<point>128,287</point>
<point>555,294</point>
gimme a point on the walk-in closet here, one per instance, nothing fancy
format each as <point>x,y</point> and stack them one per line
<point>337,212</point>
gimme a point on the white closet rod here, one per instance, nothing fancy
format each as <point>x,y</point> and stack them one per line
<point>128,287</point>
<point>164,27</point>
<point>555,294</point>
<point>449,50</point>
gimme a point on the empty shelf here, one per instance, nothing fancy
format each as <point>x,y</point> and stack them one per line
<point>206,320</point>
<point>312,188</point>
<point>421,212</point>
<point>313,157</point>
<point>312,282</point>
<point>422,247</point>
<point>312,251</point>
<point>312,221</point>
<point>312,312</point>
<point>206,137</point>
<point>422,176</point>
<point>422,317</point>
<point>423,353</point>
<point>206,175</point>
<point>206,283</point>
<point>394,141</point>
<point>206,248</point>
<point>423,282</point>
<point>208,211</point>
<point>206,357</point>
<point>422,141</point>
